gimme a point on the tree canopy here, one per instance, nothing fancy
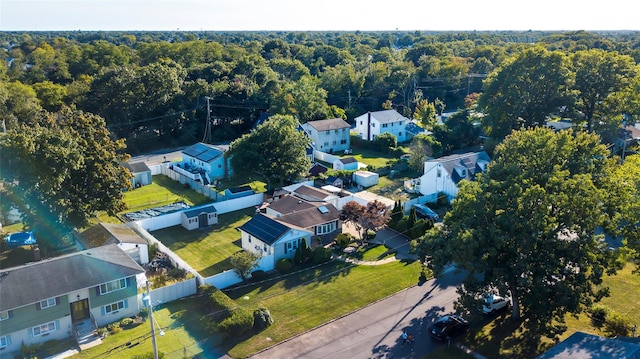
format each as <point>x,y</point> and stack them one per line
<point>528,225</point>
<point>364,218</point>
<point>274,152</point>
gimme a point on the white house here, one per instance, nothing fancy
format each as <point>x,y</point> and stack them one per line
<point>443,174</point>
<point>199,217</point>
<point>330,135</point>
<point>207,161</point>
<point>271,239</point>
<point>119,234</point>
<point>372,124</point>
<point>346,164</point>
<point>140,173</point>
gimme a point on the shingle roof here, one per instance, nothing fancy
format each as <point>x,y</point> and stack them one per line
<point>309,193</point>
<point>197,211</point>
<point>205,152</point>
<point>137,167</point>
<point>240,189</point>
<point>290,204</point>
<point>312,216</point>
<point>109,233</point>
<point>387,116</point>
<point>348,160</point>
<point>54,277</point>
<point>466,160</point>
<point>330,124</point>
<point>587,346</point>
<point>264,228</point>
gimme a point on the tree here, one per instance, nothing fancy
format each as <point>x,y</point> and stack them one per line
<point>625,223</point>
<point>243,263</point>
<point>63,169</point>
<point>425,113</point>
<point>523,91</point>
<point>423,147</point>
<point>373,216</point>
<point>302,99</point>
<point>528,226</point>
<point>275,152</point>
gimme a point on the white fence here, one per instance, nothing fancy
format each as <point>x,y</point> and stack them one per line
<point>325,157</point>
<point>229,277</point>
<point>171,292</point>
<point>406,206</point>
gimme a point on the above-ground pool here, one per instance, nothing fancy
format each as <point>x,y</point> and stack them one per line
<point>20,239</point>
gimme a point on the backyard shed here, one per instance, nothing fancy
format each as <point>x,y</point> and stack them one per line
<point>346,164</point>
<point>140,173</point>
<point>365,178</point>
<point>199,217</point>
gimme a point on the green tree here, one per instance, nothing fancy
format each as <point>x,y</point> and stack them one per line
<point>423,147</point>
<point>51,95</point>
<point>302,99</point>
<point>243,263</point>
<point>523,91</point>
<point>528,225</point>
<point>625,223</point>
<point>63,169</point>
<point>425,113</point>
<point>275,152</point>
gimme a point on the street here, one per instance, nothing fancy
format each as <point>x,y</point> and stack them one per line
<point>374,331</point>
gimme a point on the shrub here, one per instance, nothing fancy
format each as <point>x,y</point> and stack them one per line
<point>239,323</point>
<point>343,240</point>
<point>144,313</point>
<point>126,322</point>
<point>598,315</point>
<point>102,331</point>
<point>262,318</point>
<point>259,275</point>
<point>113,327</point>
<point>284,265</point>
<point>148,355</point>
<point>616,325</point>
<point>371,234</point>
<point>321,255</point>
<point>177,273</point>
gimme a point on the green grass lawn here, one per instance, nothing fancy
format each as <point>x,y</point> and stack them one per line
<point>370,157</point>
<point>304,300</point>
<point>163,190</point>
<point>183,335</point>
<point>207,250</point>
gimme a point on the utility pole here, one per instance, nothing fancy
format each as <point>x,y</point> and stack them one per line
<point>348,92</point>
<point>153,328</point>
<point>207,128</point>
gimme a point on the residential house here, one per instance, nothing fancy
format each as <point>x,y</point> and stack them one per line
<point>345,164</point>
<point>271,239</point>
<point>319,218</point>
<point>412,130</point>
<point>204,162</point>
<point>46,300</point>
<point>317,169</point>
<point>121,235</point>
<point>442,175</point>
<point>582,345</point>
<point>373,124</point>
<point>140,172</point>
<point>313,194</point>
<point>330,135</point>
<point>308,151</point>
<point>199,217</point>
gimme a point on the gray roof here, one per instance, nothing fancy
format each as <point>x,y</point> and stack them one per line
<point>467,160</point>
<point>264,228</point>
<point>209,208</point>
<point>414,129</point>
<point>109,233</point>
<point>205,152</point>
<point>387,116</point>
<point>347,160</point>
<point>587,346</point>
<point>309,193</point>
<point>312,216</point>
<point>290,204</point>
<point>31,283</point>
<point>328,125</point>
<point>137,167</point>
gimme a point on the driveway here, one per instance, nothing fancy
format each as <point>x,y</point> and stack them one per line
<point>374,331</point>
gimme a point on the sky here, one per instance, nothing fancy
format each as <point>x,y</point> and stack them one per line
<point>322,15</point>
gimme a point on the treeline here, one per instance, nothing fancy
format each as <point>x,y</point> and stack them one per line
<point>154,88</point>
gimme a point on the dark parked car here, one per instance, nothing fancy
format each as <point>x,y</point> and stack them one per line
<point>423,211</point>
<point>449,326</point>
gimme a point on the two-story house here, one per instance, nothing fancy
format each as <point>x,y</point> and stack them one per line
<point>204,161</point>
<point>47,299</point>
<point>330,135</point>
<point>319,218</point>
<point>373,124</point>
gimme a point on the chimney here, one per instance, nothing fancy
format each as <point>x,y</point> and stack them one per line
<point>368,125</point>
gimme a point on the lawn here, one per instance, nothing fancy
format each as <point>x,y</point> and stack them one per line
<point>207,250</point>
<point>163,190</point>
<point>306,299</point>
<point>183,336</point>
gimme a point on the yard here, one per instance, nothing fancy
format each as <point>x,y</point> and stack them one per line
<point>207,250</point>
<point>163,190</point>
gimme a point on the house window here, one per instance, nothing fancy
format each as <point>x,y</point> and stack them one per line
<point>113,286</point>
<point>325,228</point>
<point>399,134</point>
<point>336,131</point>
<point>44,329</point>
<point>291,246</point>
<point>5,341</point>
<point>373,125</point>
<point>384,125</point>
<point>335,142</point>
<point>326,144</point>
<point>249,238</point>
<point>342,142</point>
<point>361,122</point>
<point>114,307</point>
<point>264,247</point>
<point>220,166</point>
<point>4,315</point>
<point>48,303</point>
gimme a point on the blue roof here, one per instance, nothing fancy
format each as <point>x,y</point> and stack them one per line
<point>202,151</point>
<point>264,228</point>
<point>197,211</point>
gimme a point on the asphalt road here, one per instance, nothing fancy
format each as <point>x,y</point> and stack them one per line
<point>374,331</point>
<point>156,157</point>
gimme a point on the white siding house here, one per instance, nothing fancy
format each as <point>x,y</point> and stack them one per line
<point>372,124</point>
<point>330,135</point>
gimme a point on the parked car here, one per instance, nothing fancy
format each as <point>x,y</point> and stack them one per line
<point>422,211</point>
<point>493,303</point>
<point>20,239</point>
<point>449,326</point>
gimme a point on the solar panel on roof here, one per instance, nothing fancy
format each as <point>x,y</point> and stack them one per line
<point>209,155</point>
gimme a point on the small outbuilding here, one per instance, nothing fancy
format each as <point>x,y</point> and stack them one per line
<point>365,178</point>
<point>199,217</point>
<point>346,163</point>
<point>140,172</point>
<point>238,192</point>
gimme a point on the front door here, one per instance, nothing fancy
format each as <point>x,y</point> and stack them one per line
<point>202,220</point>
<point>80,310</point>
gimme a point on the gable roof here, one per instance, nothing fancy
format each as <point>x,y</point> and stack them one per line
<point>109,233</point>
<point>137,167</point>
<point>328,125</point>
<point>290,204</point>
<point>317,169</point>
<point>311,194</point>
<point>31,283</point>
<point>310,217</point>
<point>587,346</point>
<point>387,116</point>
<point>468,161</point>
<point>204,152</point>
<point>264,228</point>
<point>195,212</point>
